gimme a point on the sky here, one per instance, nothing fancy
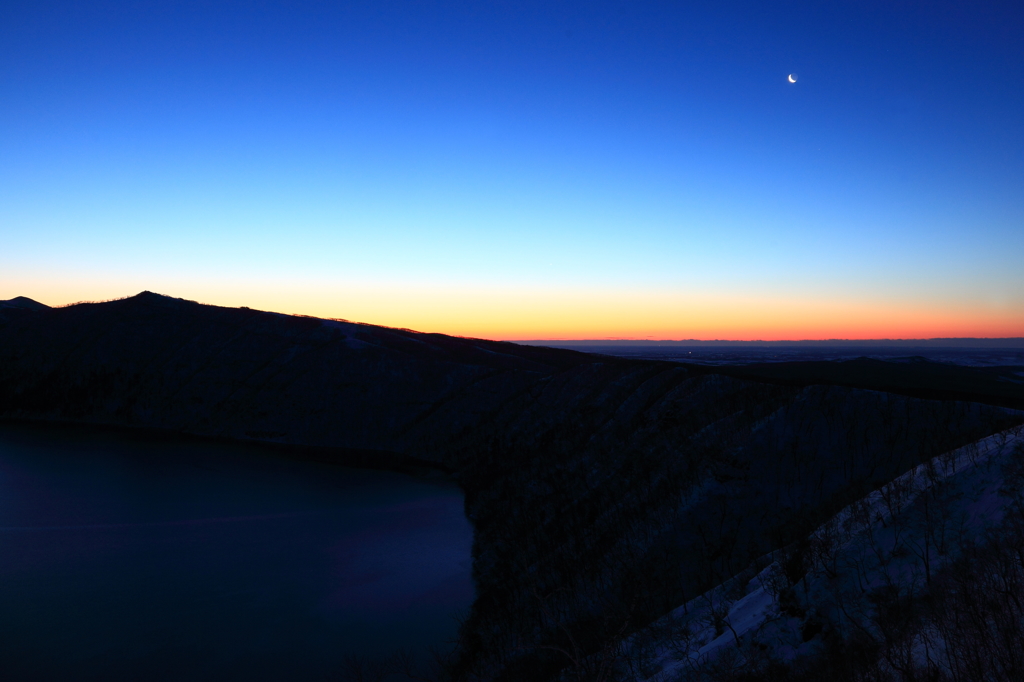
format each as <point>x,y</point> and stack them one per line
<point>518,170</point>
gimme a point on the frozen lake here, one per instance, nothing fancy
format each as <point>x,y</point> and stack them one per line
<point>133,557</point>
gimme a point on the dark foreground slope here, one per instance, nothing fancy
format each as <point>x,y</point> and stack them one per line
<point>603,492</point>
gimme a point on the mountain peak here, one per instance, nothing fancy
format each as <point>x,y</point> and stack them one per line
<point>25,303</point>
<point>144,295</point>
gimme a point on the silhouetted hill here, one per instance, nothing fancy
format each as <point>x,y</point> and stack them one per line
<point>19,306</point>
<point>159,362</point>
<point>604,492</point>
<point>23,302</point>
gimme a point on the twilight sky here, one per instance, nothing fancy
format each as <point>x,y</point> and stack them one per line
<point>525,170</point>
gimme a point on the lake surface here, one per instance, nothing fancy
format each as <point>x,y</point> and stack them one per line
<point>134,557</point>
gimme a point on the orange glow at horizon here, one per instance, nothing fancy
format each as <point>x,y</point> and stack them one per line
<point>539,314</point>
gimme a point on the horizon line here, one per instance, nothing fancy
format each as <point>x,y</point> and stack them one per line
<point>992,342</point>
<point>961,341</point>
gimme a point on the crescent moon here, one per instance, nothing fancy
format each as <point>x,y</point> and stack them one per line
<point>791,78</point>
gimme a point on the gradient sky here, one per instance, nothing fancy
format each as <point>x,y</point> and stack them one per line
<point>525,170</point>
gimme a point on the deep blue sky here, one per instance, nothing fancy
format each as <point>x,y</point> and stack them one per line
<point>522,170</point>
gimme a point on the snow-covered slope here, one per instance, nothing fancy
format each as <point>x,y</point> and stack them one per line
<point>879,554</point>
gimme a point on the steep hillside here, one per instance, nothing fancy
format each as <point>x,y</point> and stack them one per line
<point>922,579</point>
<point>604,492</point>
